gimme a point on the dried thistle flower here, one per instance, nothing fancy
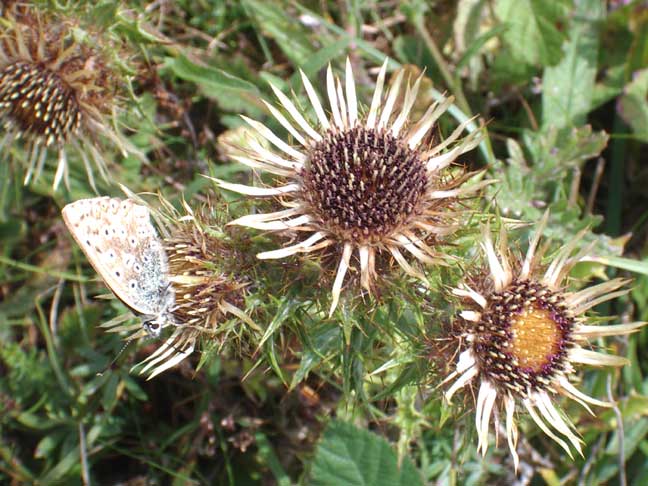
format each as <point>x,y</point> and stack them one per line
<point>203,294</point>
<point>370,183</point>
<point>525,333</point>
<point>56,92</point>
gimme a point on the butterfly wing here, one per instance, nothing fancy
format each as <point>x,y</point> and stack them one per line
<point>122,245</point>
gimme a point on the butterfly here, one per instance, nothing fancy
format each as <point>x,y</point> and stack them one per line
<point>124,248</point>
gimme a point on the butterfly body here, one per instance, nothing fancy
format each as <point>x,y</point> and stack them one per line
<point>124,248</point>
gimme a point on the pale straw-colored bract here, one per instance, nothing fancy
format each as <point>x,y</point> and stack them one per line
<point>364,182</point>
<point>524,335</point>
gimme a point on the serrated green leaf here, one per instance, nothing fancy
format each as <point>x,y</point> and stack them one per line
<point>568,87</point>
<point>633,105</point>
<point>356,457</point>
<point>543,174</point>
<point>532,32</point>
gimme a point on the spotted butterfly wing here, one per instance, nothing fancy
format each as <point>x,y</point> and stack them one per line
<point>122,245</point>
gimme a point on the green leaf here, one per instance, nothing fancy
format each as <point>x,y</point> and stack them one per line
<point>609,86</point>
<point>633,435</point>
<point>638,53</point>
<point>470,36</point>
<point>136,29</point>
<point>467,23</point>
<point>48,444</point>
<point>268,456</point>
<point>286,309</point>
<point>278,24</point>
<point>633,105</point>
<point>209,78</point>
<point>561,150</point>
<point>477,44</point>
<point>635,266</point>
<point>318,60</point>
<point>532,34</point>
<point>216,83</point>
<point>64,467</point>
<point>350,456</point>
<point>358,41</point>
<point>568,87</point>
<point>410,373</point>
<point>321,342</point>
<point>542,170</point>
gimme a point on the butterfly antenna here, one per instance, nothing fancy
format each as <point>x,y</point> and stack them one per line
<point>116,357</point>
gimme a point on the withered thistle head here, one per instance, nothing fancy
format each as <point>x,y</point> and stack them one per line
<point>367,184</point>
<point>38,103</point>
<point>57,92</point>
<point>186,260</point>
<point>205,294</point>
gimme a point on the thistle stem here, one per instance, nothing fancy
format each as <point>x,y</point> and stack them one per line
<point>452,82</point>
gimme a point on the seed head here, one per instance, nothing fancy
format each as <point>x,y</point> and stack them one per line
<point>56,92</point>
<point>204,293</point>
<point>38,103</point>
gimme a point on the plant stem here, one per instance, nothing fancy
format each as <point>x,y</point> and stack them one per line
<point>43,271</point>
<point>453,84</point>
<point>616,192</point>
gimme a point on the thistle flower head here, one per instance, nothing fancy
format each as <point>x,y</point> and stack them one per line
<point>56,92</point>
<point>38,103</point>
<point>205,295</point>
<point>369,184</point>
<point>525,333</point>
